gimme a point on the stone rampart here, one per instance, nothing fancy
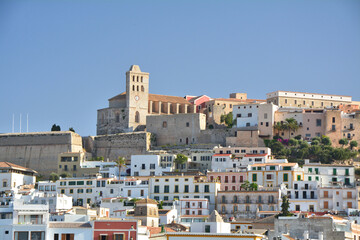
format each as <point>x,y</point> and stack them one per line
<point>38,151</point>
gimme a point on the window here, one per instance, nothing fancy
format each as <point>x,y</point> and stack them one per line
<point>207,188</point>
<point>186,188</point>
<point>118,236</point>
<point>249,114</point>
<point>152,166</point>
<point>176,188</point>
<point>196,188</point>
<point>164,125</point>
<point>254,177</point>
<point>187,124</point>
<point>333,119</point>
<point>265,116</point>
<point>156,189</point>
<point>207,228</point>
<point>318,122</point>
<point>286,177</point>
<point>166,189</point>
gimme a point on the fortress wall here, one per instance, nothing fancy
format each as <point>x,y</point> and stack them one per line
<point>121,145</point>
<point>38,151</point>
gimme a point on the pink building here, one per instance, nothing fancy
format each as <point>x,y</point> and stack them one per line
<point>199,101</point>
<point>115,229</point>
<point>230,181</point>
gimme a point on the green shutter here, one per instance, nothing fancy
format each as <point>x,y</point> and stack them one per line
<point>316,170</point>
<point>309,178</point>
<point>334,171</point>
<point>254,177</point>
<point>299,177</point>
<point>310,170</point>
<point>286,177</point>
<point>347,172</point>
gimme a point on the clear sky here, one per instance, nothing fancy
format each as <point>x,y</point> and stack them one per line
<point>61,60</point>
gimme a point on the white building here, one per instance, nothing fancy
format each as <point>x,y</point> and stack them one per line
<point>303,196</point>
<point>84,190</point>
<point>193,210</point>
<point>329,174</point>
<point>338,198</point>
<point>116,203</point>
<point>149,165</point>
<point>171,188</point>
<point>129,187</point>
<point>13,176</point>
<point>275,174</point>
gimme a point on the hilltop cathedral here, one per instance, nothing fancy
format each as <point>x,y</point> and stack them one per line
<point>127,111</point>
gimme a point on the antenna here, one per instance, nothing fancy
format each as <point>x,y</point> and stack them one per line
<point>27,122</point>
<point>20,122</point>
<point>13,123</point>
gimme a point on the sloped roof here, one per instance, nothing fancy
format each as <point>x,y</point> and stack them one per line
<point>69,225</point>
<point>215,217</point>
<point>147,200</point>
<point>156,98</point>
<point>8,165</point>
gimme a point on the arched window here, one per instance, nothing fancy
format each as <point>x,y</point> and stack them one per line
<point>137,117</point>
<point>133,78</point>
<point>141,79</point>
<point>137,88</point>
<point>137,79</point>
<point>133,87</point>
<point>235,199</point>
<point>142,88</point>
<point>223,199</point>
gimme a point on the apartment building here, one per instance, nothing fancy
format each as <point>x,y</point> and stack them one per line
<point>129,187</point>
<point>84,190</point>
<point>229,181</point>
<point>306,100</point>
<point>193,210</point>
<point>275,174</point>
<point>170,188</point>
<point>337,198</point>
<point>246,204</point>
<point>329,174</point>
<point>151,165</point>
<point>303,196</point>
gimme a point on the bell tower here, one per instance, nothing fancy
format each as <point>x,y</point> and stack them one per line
<point>137,96</point>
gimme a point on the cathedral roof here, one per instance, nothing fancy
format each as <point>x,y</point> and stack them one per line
<point>156,98</point>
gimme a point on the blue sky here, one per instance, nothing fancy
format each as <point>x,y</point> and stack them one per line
<point>61,60</point>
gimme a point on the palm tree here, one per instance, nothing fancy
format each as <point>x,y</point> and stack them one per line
<point>291,125</point>
<point>121,162</point>
<point>278,127</point>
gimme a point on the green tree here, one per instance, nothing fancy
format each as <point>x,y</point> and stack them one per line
<point>291,125</point>
<point>228,119</point>
<point>285,207</point>
<point>65,175</point>
<point>278,126</point>
<point>54,177</point>
<point>343,142</point>
<point>180,159</point>
<point>55,128</point>
<point>325,140</point>
<point>353,144</point>
<point>293,142</point>
<point>253,187</point>
<point>71,129</point>
<point>245,185</point>
<point>121,163</point>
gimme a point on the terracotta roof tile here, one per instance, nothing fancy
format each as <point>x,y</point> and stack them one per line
<point>8,165</point>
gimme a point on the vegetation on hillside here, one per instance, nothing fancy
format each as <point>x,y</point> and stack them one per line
<point>320,149</point>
